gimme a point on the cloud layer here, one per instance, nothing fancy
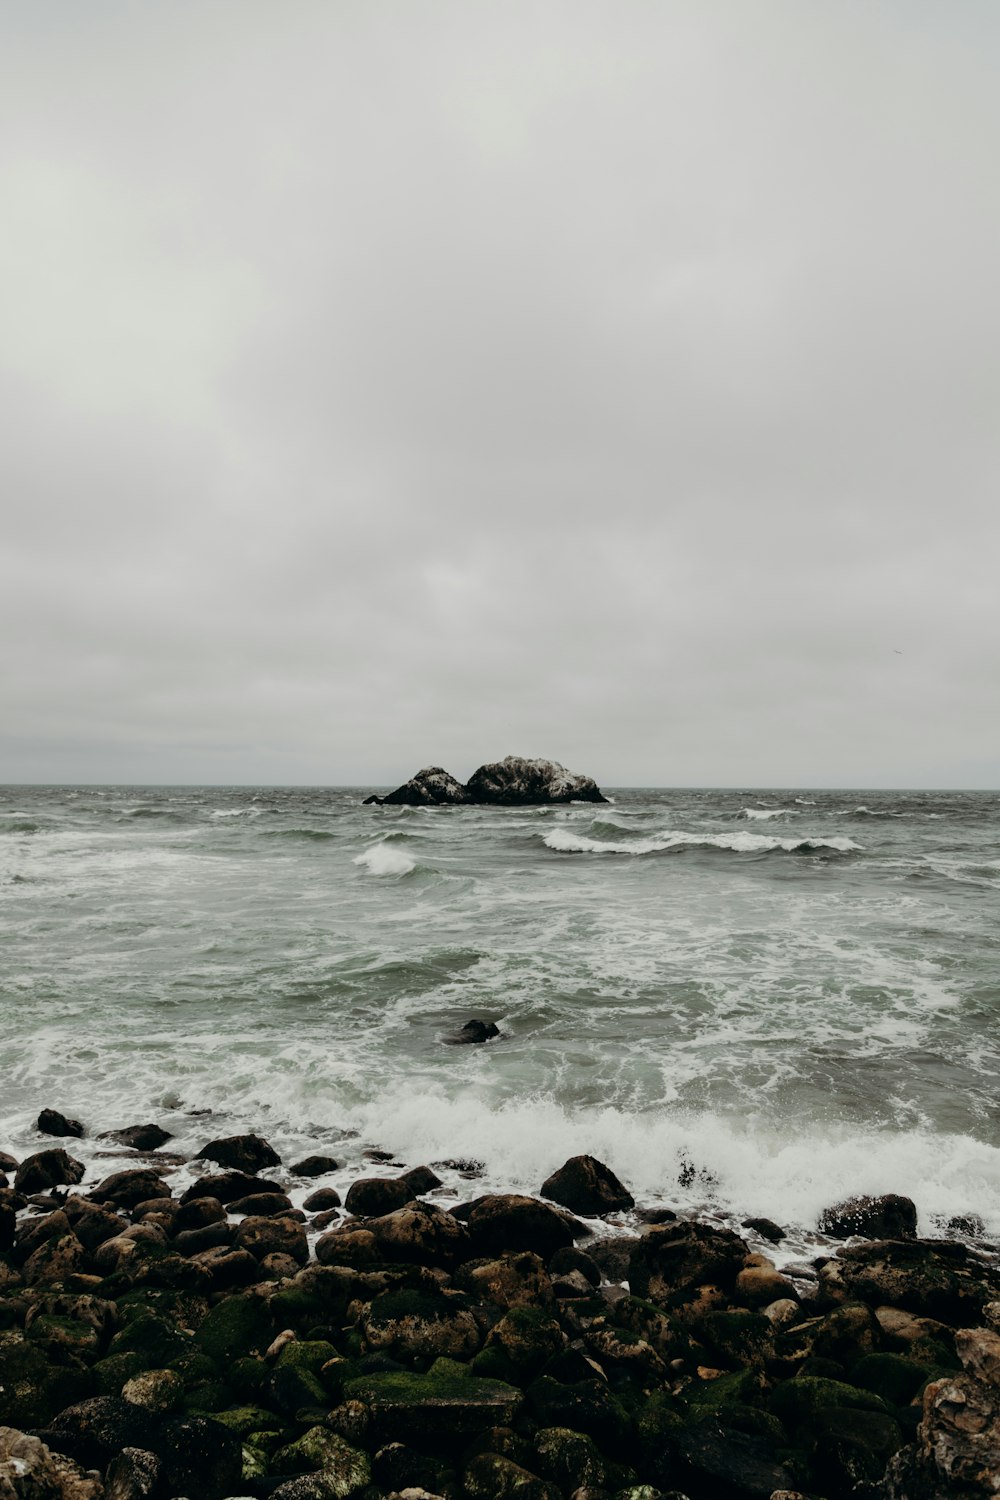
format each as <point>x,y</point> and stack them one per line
<point>390,384</point>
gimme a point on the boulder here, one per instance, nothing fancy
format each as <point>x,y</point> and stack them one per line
<point>265,1236</point>
<point>932,1278</point>
<point>444,1405</point>
<point>51,1122</point>
<point>314,1166</point>
<point>420,1234</point>
<point>28,1468</point>
<point>957,1451</point>
<point>227,1187</point>
<point>508,1221</point>
<point>585,1185</point>
<point>413,1324</point>
<point>47,1169</point>
<point>321,1199</point>
<point>377,1195</point>
<point>890,1217</point>
<point>717,1460</point>
<point>140,1137</point>
<point>491,1476</point>
<point>513,782</point>
<point>472,1033</point>
<point>431,787</point>
<point>669,1263</point>
<point>126,1189</point>
<point>519,782</point>
<point>241,1153</point>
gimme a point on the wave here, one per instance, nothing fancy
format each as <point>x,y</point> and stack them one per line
<point>870,812</point>
<point>20,825</point>
<point>762,812</point>
<point>318,834</point>
<point>235,812</point>
<point>563,841</point>
<point>385,859</point>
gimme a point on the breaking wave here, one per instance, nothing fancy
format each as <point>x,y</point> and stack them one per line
<point>564,841</point>
<point>385,859</point>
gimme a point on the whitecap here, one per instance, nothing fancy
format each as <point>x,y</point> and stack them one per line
<point>564,841</point>
<point>762,812</point>
<point>385,859</point>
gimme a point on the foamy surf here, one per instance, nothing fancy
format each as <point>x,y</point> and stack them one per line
<point>564,841</point>
<point>386,859</point>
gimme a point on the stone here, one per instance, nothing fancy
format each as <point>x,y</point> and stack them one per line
<point>126,1189</point>
<point>197,1213</point>
<point>518,1280</point>
<point>321,1199</point>
<point>583,1406</point>
<point>932,1278</point>
<point>851,1449</point>
<point>241,1153</point>
<point>377,1195</point>
<point>262,1205</point>
<point>413,1324</point>
<point>227,1187</point>
<point>766,1228</point>
<point>431,787</point>
<point>517,781</point>
<point>265,1236</point>
<point>508,1221</point>
<point>421,1180</point>
<point>528,1337</point>
<point>397,1467</point>
<point>29,1470</point>
<point>759,1286</point>
<point>420,1234</point>
<point>669,1263</point>
<point>133,1475</point>
<point>199,1458</point>
<point>721,1460</point>
<point>92,1224</point>
<point>585,1185</point>
<point>490,1476</point>
<point>47,1169</point>
<point>473,1033</point>
<point>314,1166</point>
<point>889,1217</point>
<point>155,1390</point>
<point>54,1260</point>
<point>51,1122</point>
<point>569,1459</point>
<point>148,1137</point>
<point>239,1325</point>
<point>443,1404</point>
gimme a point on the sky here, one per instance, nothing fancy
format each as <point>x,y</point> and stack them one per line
<point>390,383</point>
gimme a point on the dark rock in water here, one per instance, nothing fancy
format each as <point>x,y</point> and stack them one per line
<point>321,1199</point>
<point>507,1221</point>
<point>585,1185</point>
<point>472,1033</point>
<point>766,1228</point>
<point>51,1122</point>
<point>228,1186</point>
<point>264,1205</point>
<point>519,782</point>
<point>139,1137</point>
<point>431,787</point>
<point>377,1195</point>
<point>314,1166</point>
<point>669,1263</point>
<point>513,782</point>
<point>932,1278</point>
<point>126,1189</point>
<point>421,1180</point>
<point>656,1215</point>
<point>890,1217</point>
<point>241,1153</point>
<point>47,1169</point>
<point>196,1213</point>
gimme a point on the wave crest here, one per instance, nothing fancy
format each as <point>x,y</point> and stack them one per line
<point>564,841</point>
<point>385,859</point>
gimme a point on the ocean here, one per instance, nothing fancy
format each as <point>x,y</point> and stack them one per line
<point>746,1003</point>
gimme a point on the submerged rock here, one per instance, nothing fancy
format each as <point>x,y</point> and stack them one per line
<point>513,782</point>
<point>585,1185</point>
<point>472,1033</point>
<point>889,1217</point>
<point>51,1122</point>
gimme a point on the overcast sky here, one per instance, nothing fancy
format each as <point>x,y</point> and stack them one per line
<point>390,384</point>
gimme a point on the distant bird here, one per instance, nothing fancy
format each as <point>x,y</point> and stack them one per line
<point>895,652</point>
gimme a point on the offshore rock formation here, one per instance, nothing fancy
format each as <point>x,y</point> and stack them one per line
<point>513,782</point>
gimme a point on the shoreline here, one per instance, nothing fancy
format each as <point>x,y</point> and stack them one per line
<point>564,1345</point>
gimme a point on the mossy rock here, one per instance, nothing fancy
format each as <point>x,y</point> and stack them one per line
<point>64,1336</point>
<point>306,1354</point>
<point>569,1459</point>
<point>244,1420</point>
<point>255,1460</point>
<point>892,1376</point>
<point>490,1476</point>
<point>156,1390</point>
<point>294,1389</point>
<point>238,1326</point>
<point>797,1401</point>
<point>440,1406</point>
<point>207,1397</point>
<point>33,1389</point>
<point>154,1338</point>
<point>528,1337</point>
<point>738,1336</point>
<point>850,1449</point>
<point>112,1372</point>
<point>492,1363</point>
<point>742,1386</point>
<point>248,1376</point>
<point>658,1418</point>
<point>341,1469</point>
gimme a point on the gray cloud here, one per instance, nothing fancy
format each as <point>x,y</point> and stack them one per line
<point>388,384</point>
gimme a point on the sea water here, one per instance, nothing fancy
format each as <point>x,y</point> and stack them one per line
<point>745,1003</point>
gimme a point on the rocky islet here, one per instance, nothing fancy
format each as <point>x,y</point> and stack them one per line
<point>218,1341</point>
<point>516,781</point>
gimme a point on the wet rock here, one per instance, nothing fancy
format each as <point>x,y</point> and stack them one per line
<point>668,1264</point>
<point>584,1406</point>
<point>586,1186</point>
<point>263,1205</point>
<point>528,1338</point>
<point>431,787</point>
<point>933,1278</point>
<point>267,1236</point>
<point>759,1286</point>
<point>420,1234</point>
<point>93,1431</point>
<point>348,1246</point>
<point>472,1033</point>
<point>211,1237</point>
<point>240,1325</point>
<point>409,1323</point>
<point>199,1458</point>
<point>51,1122</point>
<point>957,1451</point>
<point>377,1195</point>
<point>241,1153</point>
<point>519,782</point>
<point>443,1405</point>
<point>10,1203</point>
<point>227,1187</point>
<point>126,1189</point>
<point>720,1461</point>
<point>33,1389</point>
<point>890,1217</point>
<point>507,1221</point>
<point>518,1280</point>
<point>851,1449</point>
<point>399,1467</point>
<point>31,1471</point>
<point>47,1169</point>
<point>321,1199</point>
<point>314,1166</point>
<point>569,1258</point>
<point>490,1476</point>
<point>91,1223</point>
<point>133,1475</point>
<point>766,1228</point>
<point>569,1459</point>
<point>198,1213</point>
<point>148,1137</point>
<point>231,1268</point>
<point>421,1180</point>
<point>154,1390</point>
<point>54,1261</point>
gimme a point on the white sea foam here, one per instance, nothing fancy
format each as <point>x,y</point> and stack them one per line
<point>385,859</point>
<point>566,842</point>
<point>762,812</point>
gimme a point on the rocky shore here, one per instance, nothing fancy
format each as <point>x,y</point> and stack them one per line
<point>515,781</point>
<point>217,1341</point>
